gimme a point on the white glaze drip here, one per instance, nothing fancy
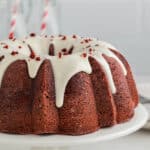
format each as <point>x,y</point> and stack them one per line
<point>33,67</point>
<point>76,65</point>
<point>64,68</point>
<point>107,70</point>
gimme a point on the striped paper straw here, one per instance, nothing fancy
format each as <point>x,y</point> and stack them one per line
<point>13,21</point>
<point>45,18</point>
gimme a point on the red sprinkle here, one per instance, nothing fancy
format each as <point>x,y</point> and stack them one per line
<point>2,57</point>
<point>19,46</point>
<point>14,53</point>
<point>90,49</point>
<point>64,38</point>
<point>88,46</point>
<point>32,54</point>
<point>6,46</point>
<point>74,36</point>
<point>32,34</point>
<point>71,49</point>
<point>86,40</point>
<point>64,50</point>
<point>84,55</point>
<point>59,54</point>
<point>51,49</point>
<point>38,58</point>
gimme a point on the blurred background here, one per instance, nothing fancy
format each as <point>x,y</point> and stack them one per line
<point>124,23</point>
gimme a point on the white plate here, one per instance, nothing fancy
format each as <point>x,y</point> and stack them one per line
<point>131,126</point>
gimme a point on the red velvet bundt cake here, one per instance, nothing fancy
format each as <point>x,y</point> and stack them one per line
<point>63,85</point>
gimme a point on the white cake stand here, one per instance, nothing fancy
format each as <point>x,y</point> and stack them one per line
<point>64,142</point>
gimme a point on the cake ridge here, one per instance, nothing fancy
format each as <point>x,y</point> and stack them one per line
<point>80,48</point>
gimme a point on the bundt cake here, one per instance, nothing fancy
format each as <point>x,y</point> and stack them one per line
<point>63,85</point>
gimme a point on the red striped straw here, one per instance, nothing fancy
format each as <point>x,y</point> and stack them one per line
<point>45,17</point>
<point>13,21</point>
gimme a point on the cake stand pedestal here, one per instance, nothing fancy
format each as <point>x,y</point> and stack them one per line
<point>64,142</point>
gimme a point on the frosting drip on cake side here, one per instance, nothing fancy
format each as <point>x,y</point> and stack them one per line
<point>63,72</point>
<point>71,57</point>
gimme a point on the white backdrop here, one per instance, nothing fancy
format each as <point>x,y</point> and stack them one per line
<point>124,23</point>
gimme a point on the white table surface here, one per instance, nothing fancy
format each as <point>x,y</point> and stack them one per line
<point>136,141</point>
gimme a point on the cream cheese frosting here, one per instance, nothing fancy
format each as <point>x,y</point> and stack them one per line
<point>67,54</point>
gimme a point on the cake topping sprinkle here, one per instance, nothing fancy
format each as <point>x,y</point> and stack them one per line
<point>51,49</point>
<point>2,57</point>
<point>90,50</point>
<point>32,54</point>
<point>86,40</point>
<point>38,58</point>
<point>64,38</point>
<point>5,46</point>
<point>32,34</point>
<point>74,36</point>
<point>19,47</point>
<point>64,50</point>
<point>59,55</point>
<point>71,50</point>
<point>88,46</point>
<point>84,55</point>
<point>14,53</point>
